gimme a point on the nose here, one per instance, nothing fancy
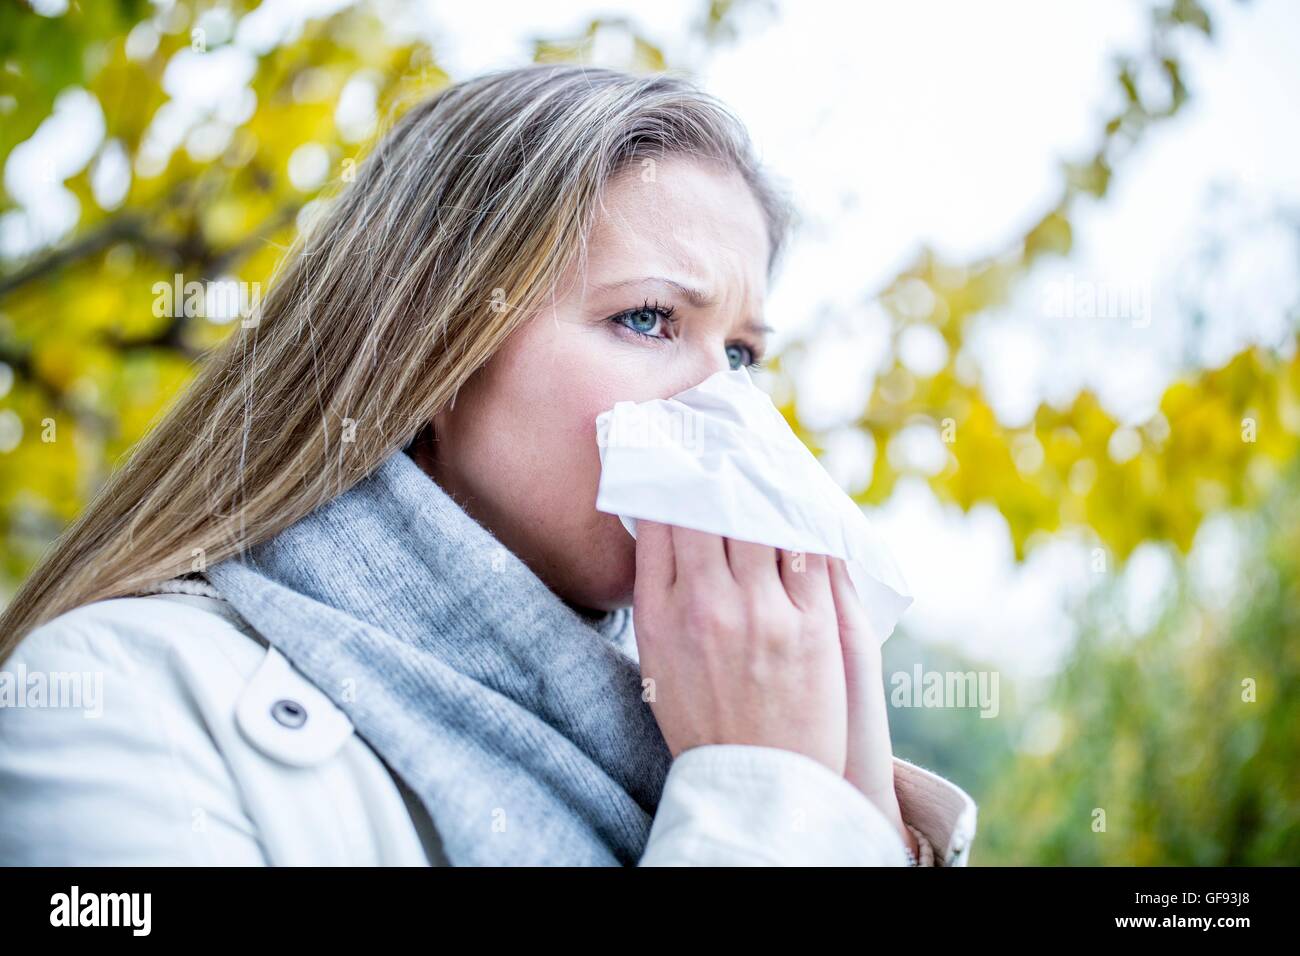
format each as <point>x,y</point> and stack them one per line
<point>708,362</point>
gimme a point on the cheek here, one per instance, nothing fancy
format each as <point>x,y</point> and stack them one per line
<point>527,441</point>
<point>546,393</point>
<point>561,376</point>
<point>574,379</point>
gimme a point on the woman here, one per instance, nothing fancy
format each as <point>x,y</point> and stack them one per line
<point>350,602</point>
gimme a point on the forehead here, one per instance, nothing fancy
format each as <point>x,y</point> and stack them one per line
<point>682,216</point>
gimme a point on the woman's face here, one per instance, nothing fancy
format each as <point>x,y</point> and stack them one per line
<point>518,450</point>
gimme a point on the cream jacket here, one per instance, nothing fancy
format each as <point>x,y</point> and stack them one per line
<point>158,730</point>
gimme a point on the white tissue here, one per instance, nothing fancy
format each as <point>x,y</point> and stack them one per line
<point>720,458</point>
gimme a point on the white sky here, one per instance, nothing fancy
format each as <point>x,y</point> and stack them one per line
<point>936,122</point>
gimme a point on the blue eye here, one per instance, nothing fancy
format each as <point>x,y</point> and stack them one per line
<point>643,321</point>
<point>636,319</point>
<point>735,353</point>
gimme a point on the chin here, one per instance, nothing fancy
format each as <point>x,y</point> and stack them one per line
<point>607,579</point>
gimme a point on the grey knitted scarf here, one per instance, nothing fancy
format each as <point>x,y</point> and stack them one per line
<point>518,722</point>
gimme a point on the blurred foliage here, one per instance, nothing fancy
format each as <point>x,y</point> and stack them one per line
<point>92,362</point>
<point>1181,741</point>
<point>1153,728</point>
<point>1218,440</point>
<point>971,750</point>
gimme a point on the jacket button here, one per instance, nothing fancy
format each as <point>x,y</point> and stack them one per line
<point>289,713</point>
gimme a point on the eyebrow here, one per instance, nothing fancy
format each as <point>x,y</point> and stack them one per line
<point>695,296</point>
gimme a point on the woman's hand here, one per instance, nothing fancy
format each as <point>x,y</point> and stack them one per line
<point>743,647</point>
<point>869,760</point>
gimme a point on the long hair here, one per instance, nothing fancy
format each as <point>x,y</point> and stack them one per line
<point>457,226</point>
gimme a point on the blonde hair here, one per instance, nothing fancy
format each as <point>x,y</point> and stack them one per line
<point>457,226</point>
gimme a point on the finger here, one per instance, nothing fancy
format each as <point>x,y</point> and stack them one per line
<point>870,761</point>
<point>862,650</point>
<point>805,579</point>
<point>752,563</point>
<point>654,556</point>
<point>699,556</point>
<point>855,630</point>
